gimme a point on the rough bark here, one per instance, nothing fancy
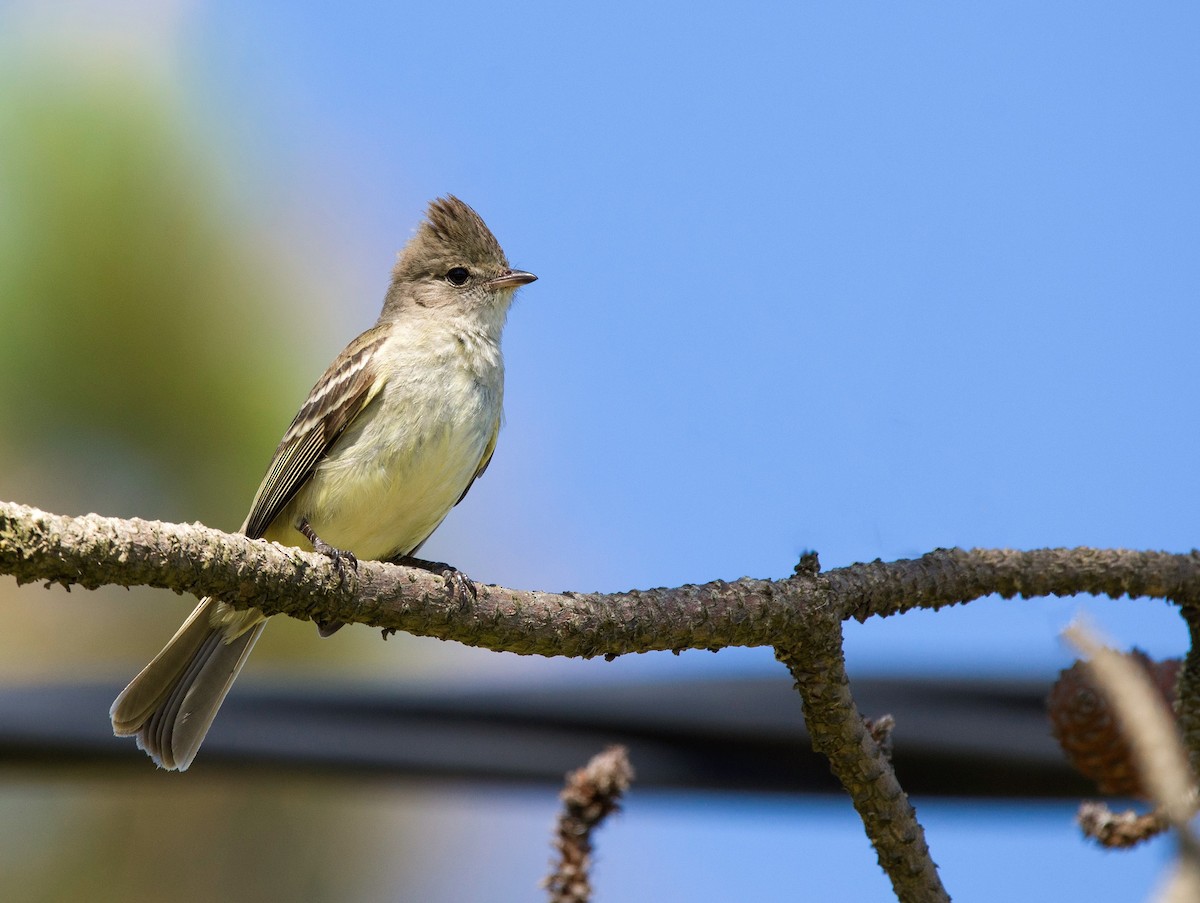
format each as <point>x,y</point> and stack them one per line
<point>799,615</point>
<point>840,733</point>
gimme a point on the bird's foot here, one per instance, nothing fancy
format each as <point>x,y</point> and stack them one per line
<point>459,584</point>
<point>343,561</point>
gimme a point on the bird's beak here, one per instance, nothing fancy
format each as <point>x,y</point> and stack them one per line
<point>511,279</point>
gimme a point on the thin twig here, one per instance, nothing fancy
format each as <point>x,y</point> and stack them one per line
<point>1119,830</point>
<point>591,794</point>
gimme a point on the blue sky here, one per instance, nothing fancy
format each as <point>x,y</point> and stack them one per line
<point>860,278</point>
<point>866,278</point>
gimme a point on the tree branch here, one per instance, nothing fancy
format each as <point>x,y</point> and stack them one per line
<point>952,576</point>
<point>92,551</point>
<point>800,616</point>
<point>1187,693</point>
<point>840,733</point>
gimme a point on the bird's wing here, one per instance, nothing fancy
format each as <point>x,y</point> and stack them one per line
<point>485,461</point>
<point>347,387</point>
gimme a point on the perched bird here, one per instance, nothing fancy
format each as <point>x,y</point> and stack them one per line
<point>388,441</point>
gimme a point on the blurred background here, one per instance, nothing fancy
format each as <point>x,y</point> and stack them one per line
<point>861,278</point>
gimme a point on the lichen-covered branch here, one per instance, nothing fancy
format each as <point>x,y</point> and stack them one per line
<point>839,732</point>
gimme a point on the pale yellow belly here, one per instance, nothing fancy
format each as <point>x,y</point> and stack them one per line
<point>386,501</point>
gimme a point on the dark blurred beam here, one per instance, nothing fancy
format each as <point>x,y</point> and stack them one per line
<point>952,738</point>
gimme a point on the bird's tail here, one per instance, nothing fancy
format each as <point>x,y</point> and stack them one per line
<point>171,704</point>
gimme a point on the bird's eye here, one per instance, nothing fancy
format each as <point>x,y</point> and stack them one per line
<point>458,276</point>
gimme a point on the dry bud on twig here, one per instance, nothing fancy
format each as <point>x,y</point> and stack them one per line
<point>1118,830</point>
<point>880,730</point>
<point>591,794</point>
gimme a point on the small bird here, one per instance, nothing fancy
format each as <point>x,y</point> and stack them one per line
<point>388,441</point>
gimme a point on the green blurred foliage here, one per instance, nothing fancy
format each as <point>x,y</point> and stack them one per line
<point>155,342</point>
<point>141,341</point>
<point>203,838</point>
<point>145,331</point>
<point>153,347</point>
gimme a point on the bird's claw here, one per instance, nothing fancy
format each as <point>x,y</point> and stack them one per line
<point>458,585</point>
<point>344,561</point>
